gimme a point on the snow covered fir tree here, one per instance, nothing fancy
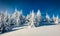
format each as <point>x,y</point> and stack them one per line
<point>17,19</point>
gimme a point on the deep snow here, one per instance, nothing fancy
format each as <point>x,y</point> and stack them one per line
<point>53,30</point>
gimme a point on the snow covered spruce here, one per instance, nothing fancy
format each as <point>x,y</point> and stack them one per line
<point>7,21</point>
<point>17,19</point>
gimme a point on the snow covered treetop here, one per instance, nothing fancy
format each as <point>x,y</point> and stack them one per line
<point>38,13</point>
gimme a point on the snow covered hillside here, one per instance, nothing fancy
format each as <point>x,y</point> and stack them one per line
<point>33,20</point>
<point>53,30</point>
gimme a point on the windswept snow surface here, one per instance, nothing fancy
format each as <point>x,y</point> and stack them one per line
<point>53,30</point>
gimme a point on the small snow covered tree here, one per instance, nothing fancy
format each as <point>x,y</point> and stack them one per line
<point>15,17</point>
<point>7,20</point>
<point>47,17</point>
<point>2,23</point>
<point>28,19</point>
<point>53,18</point>
<point>18,18</point>
<point>31,20</point>
<point>56,19</point>
<point>38,18</point>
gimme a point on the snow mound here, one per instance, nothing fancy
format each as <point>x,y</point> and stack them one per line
<point>53,30</point>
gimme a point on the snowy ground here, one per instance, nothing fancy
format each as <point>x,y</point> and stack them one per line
<point>53,30</point>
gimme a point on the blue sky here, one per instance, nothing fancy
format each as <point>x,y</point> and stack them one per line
<point>49,6</point>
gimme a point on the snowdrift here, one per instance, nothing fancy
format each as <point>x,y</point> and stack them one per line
<point>53,30</point>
